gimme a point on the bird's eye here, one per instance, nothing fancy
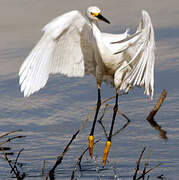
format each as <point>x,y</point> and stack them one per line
<point>94,14</point>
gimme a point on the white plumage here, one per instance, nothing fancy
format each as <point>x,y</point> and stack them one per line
<point>74,46</point>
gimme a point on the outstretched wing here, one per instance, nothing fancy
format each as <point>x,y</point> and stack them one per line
<point>139,47</point>
<point>62,49</point>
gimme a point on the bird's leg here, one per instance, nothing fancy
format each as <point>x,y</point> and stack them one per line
<point>108,142</point>
<point>91,136</point>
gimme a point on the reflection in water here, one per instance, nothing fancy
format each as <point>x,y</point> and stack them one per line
<point>50,118</point>
<point>158,128</point>
<point>150,117</point>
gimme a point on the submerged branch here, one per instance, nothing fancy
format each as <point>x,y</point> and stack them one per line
<point>157,106</point>
<point>150,117</point>
<point>138,163</point>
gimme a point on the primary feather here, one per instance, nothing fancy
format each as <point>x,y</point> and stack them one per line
<point>62,49</point>
<point>142,59</point>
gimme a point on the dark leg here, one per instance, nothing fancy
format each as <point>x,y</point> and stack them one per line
<point>91,136</point>
<point>108,142</point>
<point>114,116</point>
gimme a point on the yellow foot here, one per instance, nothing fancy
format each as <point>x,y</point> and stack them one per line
<point>90,145</point>
<point>106,151</point>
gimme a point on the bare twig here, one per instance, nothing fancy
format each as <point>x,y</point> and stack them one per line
<point>138,164</point>
<point>18,155</point>
<point>13,168</point>
<point>15,171</point>
<point>10,153</point>
<point>5,148</point>
<point>43,171</point>
<point>60,158</point>
<point>146,163</point>
<point>10,139</point>
<point>149,170</point>
<point>142,176</point>
<point>12,164</point>
<point>158,105</point>
<point>17,158</point>
<point>150,117</point>
<point>10,133</point>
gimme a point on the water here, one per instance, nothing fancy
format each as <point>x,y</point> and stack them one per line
<point>50,117</point>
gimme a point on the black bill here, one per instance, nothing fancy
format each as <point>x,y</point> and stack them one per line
<point>102,18</point>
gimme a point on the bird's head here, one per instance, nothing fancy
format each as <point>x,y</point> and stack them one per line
<point>94,13</point>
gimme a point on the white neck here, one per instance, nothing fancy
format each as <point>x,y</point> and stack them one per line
<point>95,29</point>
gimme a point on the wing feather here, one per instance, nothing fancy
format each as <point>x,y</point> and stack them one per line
<point>67,55</point>
<point>141,51</point>
<point>60,50</point>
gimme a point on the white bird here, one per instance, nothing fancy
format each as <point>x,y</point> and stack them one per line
<point>74,46</point>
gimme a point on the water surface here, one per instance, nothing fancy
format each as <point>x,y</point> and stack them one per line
<point>51,116</point>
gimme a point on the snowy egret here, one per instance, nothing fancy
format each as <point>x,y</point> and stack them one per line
<point>75,46</point>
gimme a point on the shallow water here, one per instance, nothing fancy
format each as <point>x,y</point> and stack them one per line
<point>50,117</point>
